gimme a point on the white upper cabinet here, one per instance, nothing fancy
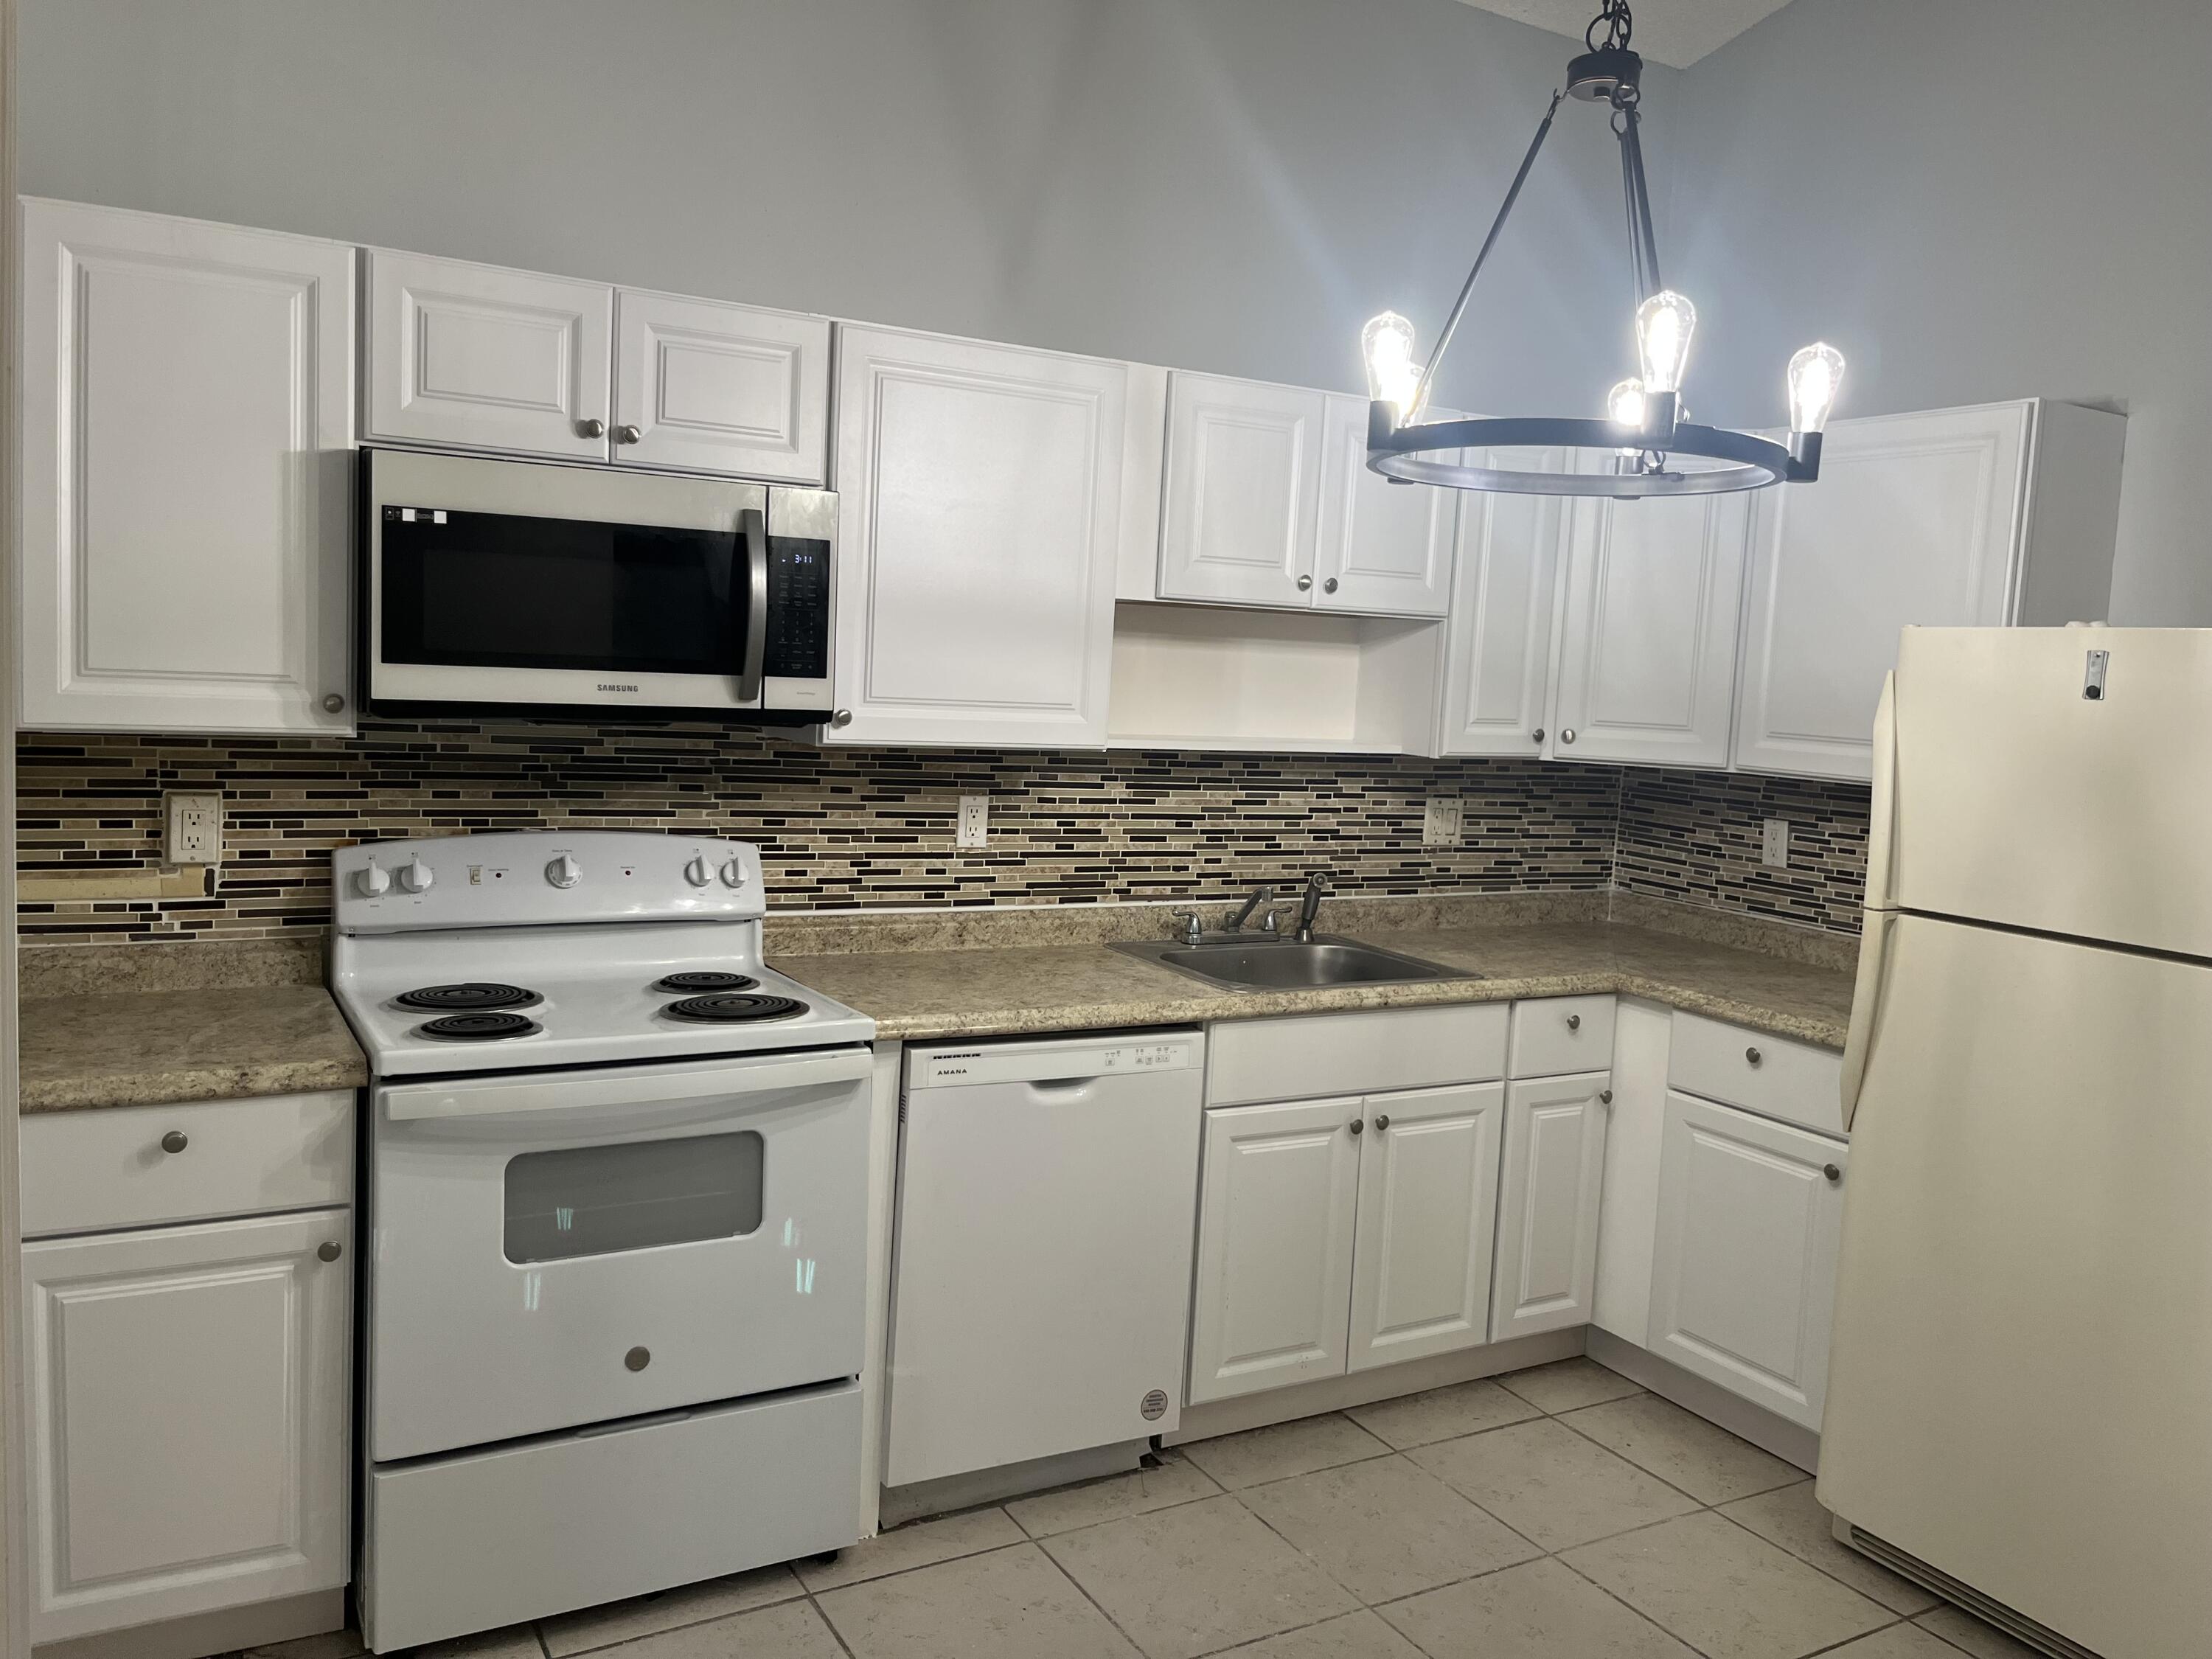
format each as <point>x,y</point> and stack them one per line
<point>483,358</point>
<point>1647,660</point>
<point>479,357</point>
<point>1243,490</point>
<point>720,388</point>
<point>1497,665</point>
<point>186,392</point>
<point>1984,516</point>
<point>1383,547</point>
<point>980,501</point>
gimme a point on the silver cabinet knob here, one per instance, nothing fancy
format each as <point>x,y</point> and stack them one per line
<point>1753,1055</point>
<point>1381,1120</point>
<point>638,1358</point>
<point>1834,1174</point>
<point>1355,1126</point>
<point>627,434</point>
<point>333,704</point>
<point>1329,587</point>
<point>591,427</point>
<point>1604,1096</point>
<point>1305,583</point>
<point>1574,1022</point>
<point>329,1250</point>
<point>1536,736</point>
<point>1567,735</point>
<point>174,1141</point>
<point>841,719</point>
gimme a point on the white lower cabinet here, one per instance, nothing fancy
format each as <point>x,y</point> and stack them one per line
<point>1549,1185</point>
<point>1744,1260</point>
<point>1338,1234</point>
<point>188,1390</point>
<point>1428,1208</point>
<point>1276,1200</point>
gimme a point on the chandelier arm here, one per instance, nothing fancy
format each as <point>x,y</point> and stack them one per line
<point>1459,306</point>
<point>1640,204</point>
<point>1639,278</point>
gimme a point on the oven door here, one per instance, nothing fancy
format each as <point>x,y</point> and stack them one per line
<point>567,1248</point>
<point>515,583</point>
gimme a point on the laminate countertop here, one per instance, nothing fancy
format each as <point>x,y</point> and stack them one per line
<point>915,995</point>
<point>152,1046</point>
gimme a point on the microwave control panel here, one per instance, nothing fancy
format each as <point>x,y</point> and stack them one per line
<point>798,609</point>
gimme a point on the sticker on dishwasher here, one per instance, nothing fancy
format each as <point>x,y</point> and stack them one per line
<point>1155,1406</point>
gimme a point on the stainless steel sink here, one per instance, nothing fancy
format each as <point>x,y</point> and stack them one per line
<point>1286,964</point>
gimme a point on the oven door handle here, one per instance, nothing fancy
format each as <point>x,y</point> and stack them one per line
<point>752,530</point>
<point>470,1098</point>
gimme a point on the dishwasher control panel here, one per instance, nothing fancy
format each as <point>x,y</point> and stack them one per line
<point>1064,1059</point>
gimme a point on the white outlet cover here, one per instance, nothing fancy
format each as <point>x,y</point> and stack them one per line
<point>1442,818</point>
<point>192,828</point>
<point>975,825</point>
<point>1774,844</point>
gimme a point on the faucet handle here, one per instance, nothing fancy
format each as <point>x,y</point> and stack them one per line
<point>1193,924</point>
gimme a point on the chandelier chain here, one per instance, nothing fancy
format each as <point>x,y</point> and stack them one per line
<point>1612,16</point>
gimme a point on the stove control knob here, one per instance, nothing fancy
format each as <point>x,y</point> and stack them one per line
<point>373,881</point>
<point>734,873</point>
<point>697,872</point>
<point>564,871</point>
<point>418,876</point>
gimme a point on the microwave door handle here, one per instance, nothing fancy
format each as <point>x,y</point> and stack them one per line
<point>752,530</point>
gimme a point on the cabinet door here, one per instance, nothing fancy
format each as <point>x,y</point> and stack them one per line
<point>1276,1199</point>
<point>1497,669</point>
<point>720,388</point>
<point>1915,520</point>
<point>1647,668</point>
<point>483,358</point>
<point>980,503</point>
<point>1383,548</point>
<point>1552,1170</point>
<point>187,392</point>
<point>1743,1276</point>
<point>1243,491</point>
<point>1428,1205</point>
<point>188,1392</point>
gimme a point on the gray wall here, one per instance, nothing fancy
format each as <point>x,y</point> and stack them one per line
<point>1227,184</point>
<point>1975,199</point>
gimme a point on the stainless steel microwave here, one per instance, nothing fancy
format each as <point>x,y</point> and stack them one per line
<point>524,587</point>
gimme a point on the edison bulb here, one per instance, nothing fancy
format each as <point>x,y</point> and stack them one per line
<point>1664,324</point>
<point>1393,376</point>
<point>1815,373</point>
<point>1623,405</point>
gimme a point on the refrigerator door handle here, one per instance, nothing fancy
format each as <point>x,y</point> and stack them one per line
<point>1866,1006</point>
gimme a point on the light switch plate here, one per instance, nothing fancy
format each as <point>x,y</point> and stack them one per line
<point>1774,844</point>
<point>974,828</point>
<point>192,828</point>
<point>1442,818</point>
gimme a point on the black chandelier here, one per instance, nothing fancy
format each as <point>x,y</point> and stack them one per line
<point>1644,422</point>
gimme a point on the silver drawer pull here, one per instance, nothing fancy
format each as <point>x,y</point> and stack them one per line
<point>174,1141</point>
<point>329,1250</point>
<point>1604,1096</point>
<point>1381,1120</point>
<point>1574,1022</point>
<point>1753,1055</point>
<point>1356,1126</point>
<point>1834,1174</point>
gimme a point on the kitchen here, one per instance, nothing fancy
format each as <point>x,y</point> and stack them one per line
<point>1038,811</point>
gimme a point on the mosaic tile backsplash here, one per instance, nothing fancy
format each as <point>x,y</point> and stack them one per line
<point>847,828</point>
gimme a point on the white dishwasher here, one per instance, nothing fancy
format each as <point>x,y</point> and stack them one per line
<point>1047,1197</point>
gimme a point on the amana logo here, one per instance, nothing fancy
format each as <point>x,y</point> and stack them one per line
<point>606,685</point>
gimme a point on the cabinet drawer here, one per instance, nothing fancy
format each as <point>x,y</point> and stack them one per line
<point>1559,1035</point>
<point>84,1171</point>
<point>1306,1055</point>
<point>1772,1076</point>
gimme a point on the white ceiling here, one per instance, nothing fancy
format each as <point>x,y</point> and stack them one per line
<point>1676,31</point>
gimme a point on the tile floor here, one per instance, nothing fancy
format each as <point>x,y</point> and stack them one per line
<point>1558,1513</point>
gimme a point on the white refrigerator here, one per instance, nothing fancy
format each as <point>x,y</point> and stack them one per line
<point>2020,1393</point>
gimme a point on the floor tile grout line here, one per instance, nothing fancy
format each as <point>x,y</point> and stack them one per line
<point>1670,1485</point>
<point>829,1624</point>
<point>1061,1568</point>
<point>1835,1577</point>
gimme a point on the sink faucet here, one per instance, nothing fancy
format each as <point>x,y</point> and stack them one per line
<point>1262,894</point>
<point>1310,907</point>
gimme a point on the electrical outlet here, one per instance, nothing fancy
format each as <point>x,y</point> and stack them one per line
<point>192,827</point>
<point>1774,846</point>
<point>974,828</point>
<point>1442,818</point>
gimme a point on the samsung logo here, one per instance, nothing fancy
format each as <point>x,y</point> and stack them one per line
<point>604,686</point>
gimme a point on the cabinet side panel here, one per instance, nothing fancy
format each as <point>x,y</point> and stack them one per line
<point>2074,514</point>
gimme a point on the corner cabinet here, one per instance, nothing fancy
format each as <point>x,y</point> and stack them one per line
<point>1998,515</point>
<point>185,419</point>
<point>1497,664</point>
<point>1549,1188</point>
<point>980,503</point>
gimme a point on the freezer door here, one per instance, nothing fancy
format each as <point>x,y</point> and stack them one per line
<point>2019,1388</point>
<point>2023,800</point>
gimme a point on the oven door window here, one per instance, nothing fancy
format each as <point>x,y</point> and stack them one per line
<point>497,590</point>
<point>597,1201</point>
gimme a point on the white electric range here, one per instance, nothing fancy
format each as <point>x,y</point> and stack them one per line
<point>616,1189</point>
